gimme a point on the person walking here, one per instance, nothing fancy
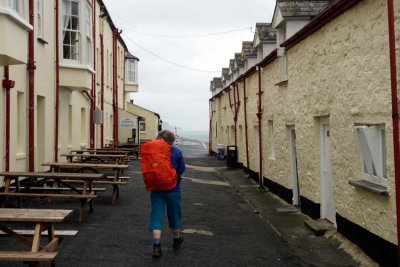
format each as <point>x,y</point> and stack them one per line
<point>169,201</point>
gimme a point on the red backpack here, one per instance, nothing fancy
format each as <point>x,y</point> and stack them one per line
<point>158,173</point>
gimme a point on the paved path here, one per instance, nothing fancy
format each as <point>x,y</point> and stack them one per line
<point>222,224</point>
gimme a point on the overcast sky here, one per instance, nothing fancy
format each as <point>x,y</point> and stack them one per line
<point>156,31</point>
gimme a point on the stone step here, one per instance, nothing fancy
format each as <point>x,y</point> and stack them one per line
<point>318,227</point>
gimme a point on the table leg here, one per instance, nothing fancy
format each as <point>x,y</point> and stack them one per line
<point>36,237</point>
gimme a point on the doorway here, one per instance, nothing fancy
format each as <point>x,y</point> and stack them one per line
<point>293,160</point>
<point>328,210</point>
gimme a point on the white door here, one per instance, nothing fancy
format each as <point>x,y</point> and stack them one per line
<point>328,210</point>
<point>295,180</point>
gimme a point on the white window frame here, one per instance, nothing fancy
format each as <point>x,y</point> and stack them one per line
<point>142,126</point>
<point>283,67</point>
<point>83,43</point>
<point>40,20</point>
<point>271,139</point>
<point>131,71</point>
<point>19,7</point>
<point>372,142</point>
<point>88,32</point>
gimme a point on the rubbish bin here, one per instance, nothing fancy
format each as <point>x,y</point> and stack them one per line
<point>220,152</point>
<point>231,156</point>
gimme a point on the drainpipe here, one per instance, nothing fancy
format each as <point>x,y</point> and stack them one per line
<point>116,33</point>
<point>102,89</point>
<point>237,106</point>
<point>395,113</point>
<point>31,77</point>
<point>210,128</point>
<point>93,93</point>
<point>245,122</point>
<point>57,107</point>
<point>259,116</point>
<point>7,85</point>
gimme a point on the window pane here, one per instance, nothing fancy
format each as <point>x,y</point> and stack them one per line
<point>75,8</point>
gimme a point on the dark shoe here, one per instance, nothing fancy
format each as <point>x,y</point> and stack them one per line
<point>177,242</point>
<point>156,251</point>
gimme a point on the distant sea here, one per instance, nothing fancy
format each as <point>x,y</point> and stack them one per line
<point>201,135</point>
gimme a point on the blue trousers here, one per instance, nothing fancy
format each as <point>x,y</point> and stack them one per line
<point>169,201</point>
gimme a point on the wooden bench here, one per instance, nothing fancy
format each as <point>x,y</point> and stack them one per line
<point>26,232</point>
<point>85,194</point>
<point>28,256</point>
<point>44,220</point>
<point>116,168</point>
<point>64,189</point>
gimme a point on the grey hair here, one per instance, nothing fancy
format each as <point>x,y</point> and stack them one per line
<point>167,136</point>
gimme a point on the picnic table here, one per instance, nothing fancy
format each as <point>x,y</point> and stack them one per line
<point>35,188</point>
<point>44,220</point>
<point>113,180</point>
<point>95,158</point>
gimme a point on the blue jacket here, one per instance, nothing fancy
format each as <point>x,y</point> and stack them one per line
<point>178,163</point>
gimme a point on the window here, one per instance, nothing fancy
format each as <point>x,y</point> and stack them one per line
<point>71,40</point>
<point>373,152</point>
<point>271,139</point>
<point>70,125</point>
<point>88,30</point>
<point>283,67</point>
<point>77,32</point>
<point>142,126</point>
<point>83,126</point>
<point>40,18</point>
<point>21,115</point>
<point>131,71</point>
<point>18,6</point>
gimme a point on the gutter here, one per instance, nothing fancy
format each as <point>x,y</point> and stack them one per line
<point>395,113</point>
<point>31,77</point>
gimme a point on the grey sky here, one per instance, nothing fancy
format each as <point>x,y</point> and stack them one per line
<point>178,94</point>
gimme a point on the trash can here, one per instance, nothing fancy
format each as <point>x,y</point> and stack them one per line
<point>231,156</point>
<point>220,152</point>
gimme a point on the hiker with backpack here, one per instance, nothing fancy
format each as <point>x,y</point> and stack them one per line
<point>162,166</point>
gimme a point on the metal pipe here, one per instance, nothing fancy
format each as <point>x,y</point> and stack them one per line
<point>57,104</point>
<point>7,144</point>
<point>395,114</point>
<point>93,93</point>
<point>102,89</point>
<point>31,77</point>
<point>259,116</point>
<point>245,122</point>
<point>210,129</point>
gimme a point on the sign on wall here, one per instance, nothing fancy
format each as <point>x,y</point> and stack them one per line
<point>127,123</point>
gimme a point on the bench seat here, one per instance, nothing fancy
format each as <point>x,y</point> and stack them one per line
<point>94,189</point>
<point>39,195</point>
<point>27,256</point>
<point>61,233</point>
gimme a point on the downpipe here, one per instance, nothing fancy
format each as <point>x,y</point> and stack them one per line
<point>259,116</point>
<point>31,77</point>
<point>395,115</point>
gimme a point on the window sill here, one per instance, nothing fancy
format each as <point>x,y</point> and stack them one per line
<point>372,187</point>
<point>284,82</point>
<point>19,156</point>
<point>41,40</point>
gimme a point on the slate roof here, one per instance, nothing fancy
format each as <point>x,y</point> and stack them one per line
<point>216,82</point>
<point>239,60</point>
<point>301,8</point>
<point>265,32</point>
<point>247,49</point>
